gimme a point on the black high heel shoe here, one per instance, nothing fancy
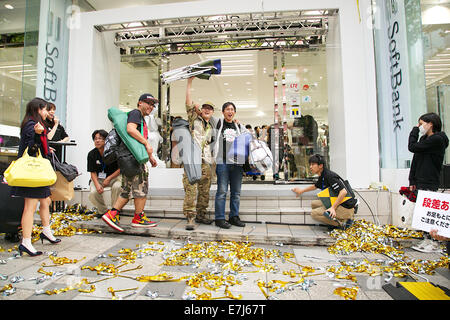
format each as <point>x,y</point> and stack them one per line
<point>22,249</point>
<point>43,236</point>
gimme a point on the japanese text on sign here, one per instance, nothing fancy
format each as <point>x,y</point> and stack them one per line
<point>432,211</point>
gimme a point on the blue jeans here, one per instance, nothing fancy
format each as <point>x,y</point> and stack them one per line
<point>228,174</point>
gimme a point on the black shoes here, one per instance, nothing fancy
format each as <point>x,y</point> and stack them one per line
<point>223,224</point>
<point>44,237</point>
<point>23,249</point>
<point>235,221</point>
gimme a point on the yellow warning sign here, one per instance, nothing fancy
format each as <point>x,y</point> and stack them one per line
<point>328,199</point>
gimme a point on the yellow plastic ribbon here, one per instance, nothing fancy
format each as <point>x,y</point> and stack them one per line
<point>347,293</point>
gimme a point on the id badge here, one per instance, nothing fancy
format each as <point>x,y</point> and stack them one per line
<point>102,175</point>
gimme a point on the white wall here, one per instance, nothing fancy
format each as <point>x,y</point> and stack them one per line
<point>336,107</point>
<point>93,87</point>
<point>88,97</point>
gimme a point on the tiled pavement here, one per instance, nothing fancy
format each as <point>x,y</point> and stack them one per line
<point>93,249</point>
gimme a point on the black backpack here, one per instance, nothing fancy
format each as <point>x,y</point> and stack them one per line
<point>126,161</point>
<point>112,143</point>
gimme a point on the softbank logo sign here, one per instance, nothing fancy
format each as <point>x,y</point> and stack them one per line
<point>56,20</point>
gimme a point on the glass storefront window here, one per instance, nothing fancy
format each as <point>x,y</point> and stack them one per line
<point>19,31</point>
<point>19,24</point>
<point>436,52</point>
<point>137,76</point>
<point>247,80</point>
<point>307,109</point>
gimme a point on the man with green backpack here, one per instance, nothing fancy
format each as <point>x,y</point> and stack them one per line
<point>135,185</point>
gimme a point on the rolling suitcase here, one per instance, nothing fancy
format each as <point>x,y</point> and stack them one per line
<point>11,209</point>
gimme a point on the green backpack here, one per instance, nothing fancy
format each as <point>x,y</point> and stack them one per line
<point>119,120</point>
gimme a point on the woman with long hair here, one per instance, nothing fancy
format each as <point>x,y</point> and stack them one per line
<point>33,135</point>
<point>426,165</point>
<point>55,130</point>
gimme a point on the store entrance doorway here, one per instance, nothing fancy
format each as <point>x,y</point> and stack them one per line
<point>274,68</point>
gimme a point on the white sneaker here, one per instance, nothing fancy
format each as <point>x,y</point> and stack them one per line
<point>427,246</point>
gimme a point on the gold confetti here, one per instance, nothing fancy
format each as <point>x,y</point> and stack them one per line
<point>6,287</point>
<point>61,261</point>
<point>347,293</point>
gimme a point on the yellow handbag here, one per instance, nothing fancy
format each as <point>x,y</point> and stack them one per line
<point>30,172</point>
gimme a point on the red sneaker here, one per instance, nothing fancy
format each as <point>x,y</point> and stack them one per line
<point>111,217</point>
<point>141,221</point>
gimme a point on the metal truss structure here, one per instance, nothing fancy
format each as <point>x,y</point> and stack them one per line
<point>302,29</point>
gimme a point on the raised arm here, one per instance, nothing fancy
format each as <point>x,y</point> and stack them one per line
<point>188,91</point>
<point>425,145</point>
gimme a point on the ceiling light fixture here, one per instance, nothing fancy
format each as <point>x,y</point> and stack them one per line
<point>438,60</point>
<point>235,61</point>
<point>238,66</point>
<point>15,66</point>
<point>245,106</point>
<point>237,74</point>
<point>237,71</point>
<point>438,65</point>
<point>8,6</point>
<point>439,69</point>
<point>134,24</point>
<point>21,71</point>
<point>229,56</point>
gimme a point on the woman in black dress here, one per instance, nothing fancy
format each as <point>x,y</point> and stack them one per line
<point>55,130</point>
<point>33,136</point>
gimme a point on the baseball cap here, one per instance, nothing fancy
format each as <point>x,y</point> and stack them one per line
<point>208,103</point>
<point>147,97</point>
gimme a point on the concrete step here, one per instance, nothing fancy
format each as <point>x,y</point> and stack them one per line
<point>274,215</point>
<point>259,203</point>
<point>262,233</point>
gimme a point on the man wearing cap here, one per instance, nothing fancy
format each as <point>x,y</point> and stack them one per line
<point>137,186</point>
<point>202,134</point>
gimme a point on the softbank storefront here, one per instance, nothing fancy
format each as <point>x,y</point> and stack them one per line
<point>347,79</point>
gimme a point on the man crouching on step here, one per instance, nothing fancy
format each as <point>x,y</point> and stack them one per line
<point>202,134</point>
<point>340,214</point>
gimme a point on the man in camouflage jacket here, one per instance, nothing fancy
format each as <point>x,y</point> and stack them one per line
<point>203,134</point>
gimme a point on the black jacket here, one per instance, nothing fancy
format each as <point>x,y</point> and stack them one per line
<point>31,140</point>
<point>428,158</point>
